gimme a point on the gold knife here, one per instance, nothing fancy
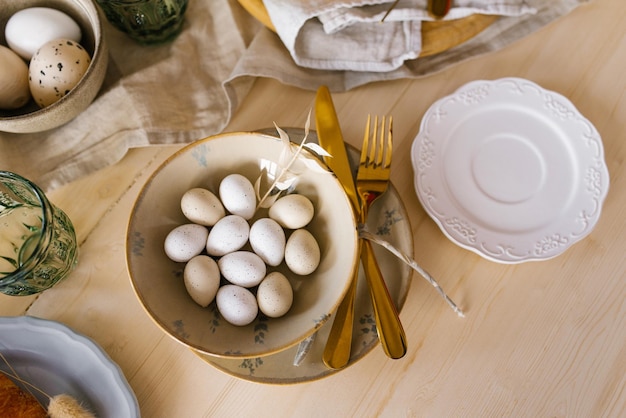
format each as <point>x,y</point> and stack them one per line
<point>337,351</point>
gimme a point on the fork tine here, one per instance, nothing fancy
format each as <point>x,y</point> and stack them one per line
<point>380,145</point>
<point>377,148</point>
<point>366,142</point>
<point>372,157</point>
<point>389,147</point>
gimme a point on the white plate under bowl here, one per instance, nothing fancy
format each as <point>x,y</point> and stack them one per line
<point>510,170</point>
<point>57,360</point>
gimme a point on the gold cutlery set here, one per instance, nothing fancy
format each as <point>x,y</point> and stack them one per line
<point>371,182</point>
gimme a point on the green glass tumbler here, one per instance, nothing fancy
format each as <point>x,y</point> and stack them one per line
<point>37,240</point>
<point>146,21</point>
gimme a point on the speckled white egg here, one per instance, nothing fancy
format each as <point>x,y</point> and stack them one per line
<point>236,304</point>
<point>185,242</point>
<point>14,89</point>
<point>229,234</point>
<point>201,206</point>
<point>275,295</point>
<point>302,252</point>
<point>28,29</point>
<point>243,268</point>
<point>202,279</point>
<point>238,196</point>
<point>267,239</point>
<point>55,69</point>
<point>292,211</point>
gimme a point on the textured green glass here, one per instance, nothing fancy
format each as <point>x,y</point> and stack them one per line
<point>37,240</point>
<point>146,21</point>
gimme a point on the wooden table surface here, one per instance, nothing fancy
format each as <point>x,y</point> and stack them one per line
<point>540,339</point>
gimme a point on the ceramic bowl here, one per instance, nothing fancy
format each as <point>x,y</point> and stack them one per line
<point>31,118</point>
<point>158,281</point>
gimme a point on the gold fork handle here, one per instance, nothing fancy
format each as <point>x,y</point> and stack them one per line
<point>390,330</point>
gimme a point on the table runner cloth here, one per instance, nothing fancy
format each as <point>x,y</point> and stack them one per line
<point>189,88</point>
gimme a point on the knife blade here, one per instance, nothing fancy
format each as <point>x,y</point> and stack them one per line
<point>330,138</point>
<point>338,346</point>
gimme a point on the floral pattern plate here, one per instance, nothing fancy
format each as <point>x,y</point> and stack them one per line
<point>389,221</point>
<point>510,170</point>
<point>57,360</point>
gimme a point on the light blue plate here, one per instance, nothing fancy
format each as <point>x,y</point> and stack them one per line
<point>57,360</point>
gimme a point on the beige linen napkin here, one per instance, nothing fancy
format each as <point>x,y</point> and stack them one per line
<point>188,89</point>
<point>349,35</point>
<point>169,93</point>
<point>268,57</point>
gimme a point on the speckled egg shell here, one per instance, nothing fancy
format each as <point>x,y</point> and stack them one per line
<point>238,196</point>
<point>302,252</point>
<point>267,239</point>
<point>292,211</point>
<point>236,304</point>
<point>201,206</point>
<point>202,279</point>
<point>185,242</point>
<point>55,69</point>
<point>243,268</point>
<point>275,295</point>
<point>229,234</point>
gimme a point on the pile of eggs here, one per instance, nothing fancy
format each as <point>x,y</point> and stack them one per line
<point>226,238</point>
<point>44,58</point>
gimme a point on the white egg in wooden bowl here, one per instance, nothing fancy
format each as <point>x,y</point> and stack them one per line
<point>25,27</point>
<point>254,316</point>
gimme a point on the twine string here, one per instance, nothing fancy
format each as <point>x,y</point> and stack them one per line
<point>365,234</point>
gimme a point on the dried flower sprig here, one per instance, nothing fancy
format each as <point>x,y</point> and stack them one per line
<point>287,175</point>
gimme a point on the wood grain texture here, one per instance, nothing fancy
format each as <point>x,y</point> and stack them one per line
<point>541,339</point>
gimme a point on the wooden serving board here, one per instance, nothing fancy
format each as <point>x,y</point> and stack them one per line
<point>437,36</point>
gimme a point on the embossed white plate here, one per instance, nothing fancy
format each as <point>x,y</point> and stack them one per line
<point>510,170</point>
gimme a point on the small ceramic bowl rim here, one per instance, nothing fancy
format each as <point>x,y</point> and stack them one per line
<point>232,354</point>
<point>79,97</point>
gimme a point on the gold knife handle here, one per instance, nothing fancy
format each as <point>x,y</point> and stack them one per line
<point>390,330</point>
<point>339,344</point>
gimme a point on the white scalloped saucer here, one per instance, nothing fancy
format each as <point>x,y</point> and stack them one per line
<point>510,170</point>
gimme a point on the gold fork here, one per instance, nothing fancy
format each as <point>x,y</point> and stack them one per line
<point>371,182</point>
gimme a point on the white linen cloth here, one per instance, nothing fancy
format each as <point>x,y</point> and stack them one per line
<point>189,88</point>
<point>267,56</point>
<point>349,35</point>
